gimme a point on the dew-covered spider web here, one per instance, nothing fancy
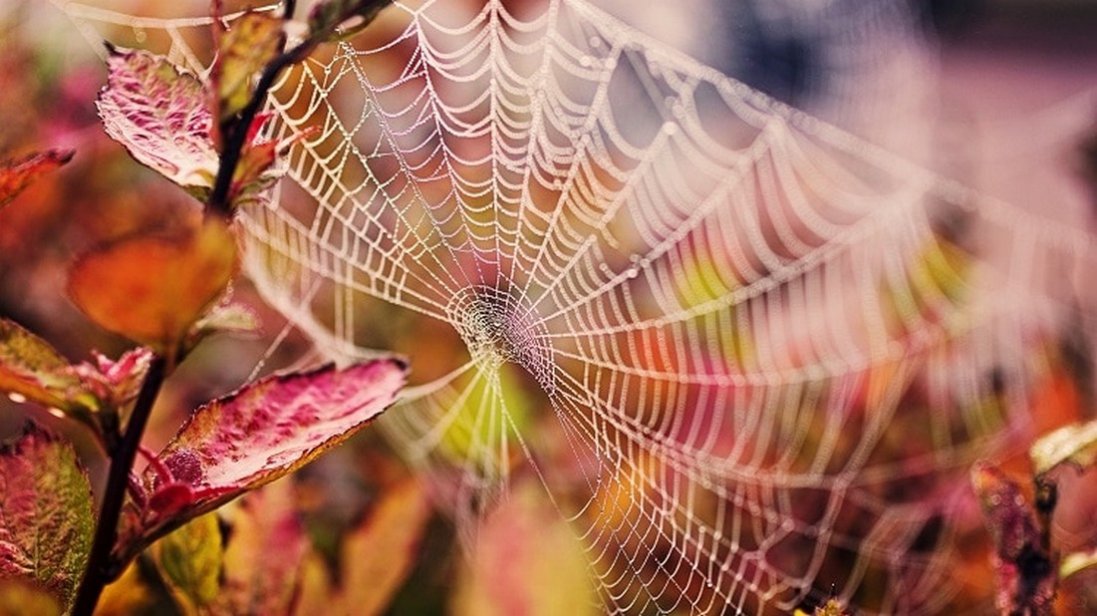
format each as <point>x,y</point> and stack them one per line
<point>749,356</point>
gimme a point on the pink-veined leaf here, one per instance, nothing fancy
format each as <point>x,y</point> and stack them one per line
<point>16,175</point>
<point>265,431</point>
<point>161,115</point>
<point>115,382</point>
<point>46,519</point>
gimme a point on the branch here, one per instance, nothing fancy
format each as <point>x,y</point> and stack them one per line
<point>100,568</point>
<point>237,133</point>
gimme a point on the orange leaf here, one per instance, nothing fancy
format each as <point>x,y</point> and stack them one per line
<point>16,176</point>
<point>153,289</point>
<point>379,554</point>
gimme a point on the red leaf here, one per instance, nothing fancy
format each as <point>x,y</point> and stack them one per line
<point>161,116</point>
<point>15,176</point>
<point>270,428</point>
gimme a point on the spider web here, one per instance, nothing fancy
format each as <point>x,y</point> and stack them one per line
<point>749,355</point>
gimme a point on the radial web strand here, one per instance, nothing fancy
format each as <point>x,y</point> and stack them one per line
<point>750,356</point>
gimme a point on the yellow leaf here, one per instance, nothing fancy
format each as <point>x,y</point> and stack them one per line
<point>189,560</point>
<point>528,561</point>
<point>19,597</point>
<point>126,596</point>
<point>32,369</point>
<point>1075,444</point>
<point>253,41</point>
<point>152,289</point>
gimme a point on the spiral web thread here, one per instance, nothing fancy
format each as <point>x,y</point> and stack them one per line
<point>770,350</point>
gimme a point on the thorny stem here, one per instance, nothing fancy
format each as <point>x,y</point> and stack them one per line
<point>100,569</point>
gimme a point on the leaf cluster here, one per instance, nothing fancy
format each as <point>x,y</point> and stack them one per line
<point>167,292</point>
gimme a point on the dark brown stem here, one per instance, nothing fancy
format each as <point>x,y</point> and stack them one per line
<point>288,9</point>
<point>101,570</point>
<point>236,131</point>
<point>1047,496</point>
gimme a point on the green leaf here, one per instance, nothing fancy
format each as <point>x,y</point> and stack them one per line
<point>1077,561</point>
<point>189,561</point>
<point>244,50</point>
<point>334,19</point>
<point>33,370</point>
<point>15,176</point>
<point>227,318</point>
<point>528,561</point>
<point>265,431</point>
<point>161,115</point>
<point>46,519</point>
<point>1075,444</point>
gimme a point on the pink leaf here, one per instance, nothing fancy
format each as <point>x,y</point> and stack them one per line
<point>115,381</point>
<point>161,116</point>
<point>265,524</point>
<point>270,428</point>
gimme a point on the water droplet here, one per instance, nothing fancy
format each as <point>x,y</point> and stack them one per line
<point>17,398</point>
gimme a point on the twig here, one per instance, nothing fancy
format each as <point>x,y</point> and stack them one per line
<point>236,132</point>
<point>100,569</point>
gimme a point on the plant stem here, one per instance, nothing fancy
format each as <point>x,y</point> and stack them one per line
<point>236,133</point>
<point>100,569</point>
